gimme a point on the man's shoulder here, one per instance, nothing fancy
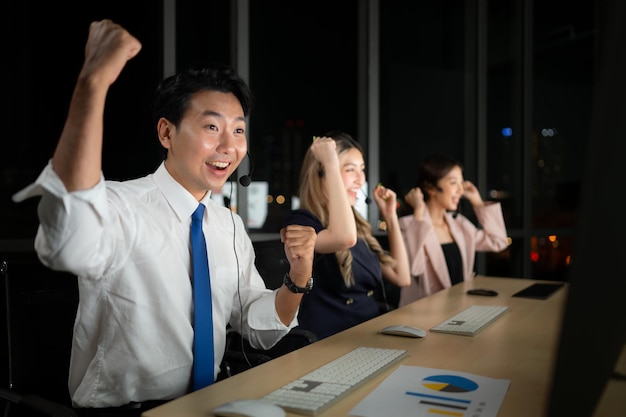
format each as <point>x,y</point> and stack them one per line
<point>221,211</point>
<point>222,218</point>
<point>136,187</point>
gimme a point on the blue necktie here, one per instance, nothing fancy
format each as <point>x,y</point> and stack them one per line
<point>203,366</point>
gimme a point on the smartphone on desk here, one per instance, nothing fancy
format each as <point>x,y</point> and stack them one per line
<point>539,291</point>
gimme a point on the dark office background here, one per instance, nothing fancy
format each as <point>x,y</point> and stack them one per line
<point>505,86</point>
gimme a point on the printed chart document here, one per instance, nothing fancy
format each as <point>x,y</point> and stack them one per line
<point>418,391</point>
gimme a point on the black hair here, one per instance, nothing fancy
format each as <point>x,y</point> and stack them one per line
<point>174,93</point>
<point>433,168</point>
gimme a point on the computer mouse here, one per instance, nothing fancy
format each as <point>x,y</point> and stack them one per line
<point>482,291</point>
<point>248,408</point>
<point>402,330</point>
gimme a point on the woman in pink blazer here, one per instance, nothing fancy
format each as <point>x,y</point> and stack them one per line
<point>442,243</point>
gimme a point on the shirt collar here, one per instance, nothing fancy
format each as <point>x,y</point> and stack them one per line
<point>181,200</point>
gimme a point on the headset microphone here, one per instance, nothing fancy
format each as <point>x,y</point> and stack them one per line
<point>245,180</point>
<point>368,200</point>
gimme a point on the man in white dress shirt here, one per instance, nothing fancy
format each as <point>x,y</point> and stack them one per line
<point>128,242</point>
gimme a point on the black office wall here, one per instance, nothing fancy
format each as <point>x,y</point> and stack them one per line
<point>44,44</point>
<point>304,70</point>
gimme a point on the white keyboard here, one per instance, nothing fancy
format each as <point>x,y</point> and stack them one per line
<point>470,321</point>
<point>320,388</point>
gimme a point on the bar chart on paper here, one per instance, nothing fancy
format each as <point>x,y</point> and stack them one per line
<point>414,390</point>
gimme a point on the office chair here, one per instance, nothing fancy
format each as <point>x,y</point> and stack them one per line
<point>36,332</point>
<point>271,263</point>
<point>240,356</point>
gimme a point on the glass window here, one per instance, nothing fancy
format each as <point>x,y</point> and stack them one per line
<point>303,66</point>
<point>551,256</point>
<point>422,84</point>
<point>562,88</point>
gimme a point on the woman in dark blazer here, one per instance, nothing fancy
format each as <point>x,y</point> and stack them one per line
<point>349,263</point>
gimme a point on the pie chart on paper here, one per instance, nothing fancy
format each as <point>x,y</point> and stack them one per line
<point>449,383</point>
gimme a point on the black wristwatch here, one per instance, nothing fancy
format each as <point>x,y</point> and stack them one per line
<point>294,288</point>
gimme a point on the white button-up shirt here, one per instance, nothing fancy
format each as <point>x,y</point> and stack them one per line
<point>128,242</point>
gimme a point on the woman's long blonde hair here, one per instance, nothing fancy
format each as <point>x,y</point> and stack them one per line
<point>313,197</point>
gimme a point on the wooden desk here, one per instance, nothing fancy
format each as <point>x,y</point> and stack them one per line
<point>612,403</point>
<point>519,346</point>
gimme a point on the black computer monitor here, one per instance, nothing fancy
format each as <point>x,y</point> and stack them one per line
<point>594,322</point>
